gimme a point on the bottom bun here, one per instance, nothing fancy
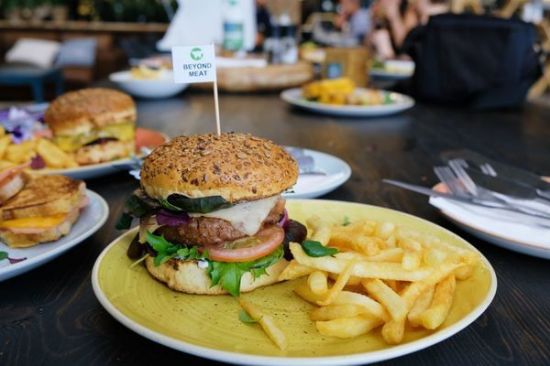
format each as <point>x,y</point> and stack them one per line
<point>186,276</point>
<point>104,151</point>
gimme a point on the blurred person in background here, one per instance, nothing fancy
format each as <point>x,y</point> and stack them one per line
<point>263,24</point>
<point>394,19</point>
<point>353,19</point>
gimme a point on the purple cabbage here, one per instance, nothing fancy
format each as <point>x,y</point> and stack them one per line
<point>169,218</point>
<point>37,162</point>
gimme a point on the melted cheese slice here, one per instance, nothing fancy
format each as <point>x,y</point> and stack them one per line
<point>38,222</point>
<point>246,217</point>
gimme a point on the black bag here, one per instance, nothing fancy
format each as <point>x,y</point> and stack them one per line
<point>477,61</point>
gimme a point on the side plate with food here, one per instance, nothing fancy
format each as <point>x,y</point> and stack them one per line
<point>394,103</point>
<point>91,219</point>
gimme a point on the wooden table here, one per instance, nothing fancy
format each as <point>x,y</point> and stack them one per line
<point>50,316</point>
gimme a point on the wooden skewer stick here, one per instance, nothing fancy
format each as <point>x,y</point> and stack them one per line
<point>217,107</point>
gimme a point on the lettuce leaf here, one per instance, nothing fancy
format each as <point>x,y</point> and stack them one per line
<point>167,250</point>
<point>227,275</point>
<point>198,205</point>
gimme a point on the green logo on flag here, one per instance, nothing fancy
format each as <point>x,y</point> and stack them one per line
<point>196,54</point>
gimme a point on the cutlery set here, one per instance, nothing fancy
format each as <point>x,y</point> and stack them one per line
<point>476,180</point>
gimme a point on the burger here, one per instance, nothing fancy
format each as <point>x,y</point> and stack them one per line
<point>212,218</point>
<point>95,125</point>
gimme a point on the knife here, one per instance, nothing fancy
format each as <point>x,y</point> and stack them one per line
<point>501,170</point>
<point>464,199</point>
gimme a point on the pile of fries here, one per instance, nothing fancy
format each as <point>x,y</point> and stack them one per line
<point>342,91</point>
<point>382,276</point>
<point>20,153</point>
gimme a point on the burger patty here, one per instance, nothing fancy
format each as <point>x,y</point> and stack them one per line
<point>212,231</point>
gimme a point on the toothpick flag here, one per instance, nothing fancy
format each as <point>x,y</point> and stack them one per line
<point>197,64</point>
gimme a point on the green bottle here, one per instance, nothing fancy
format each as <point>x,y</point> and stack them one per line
<point>233,26</point>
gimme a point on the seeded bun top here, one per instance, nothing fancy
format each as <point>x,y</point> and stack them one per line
<point>237,167</point>
<point>83,110</point>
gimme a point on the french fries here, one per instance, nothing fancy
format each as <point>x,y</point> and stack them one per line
<point>54,156</point>
<point>364,269</point>
<point>23,152</point>
<point>339,285</point>
<point>386,296</point>
<point>383,276</point>
<point>317,282</point>
<point>321,230</point>
<point>295,270</point>
<point>266,322</point>
<point>347,327</point>
<point>436,314</point>
<point>421,304</point>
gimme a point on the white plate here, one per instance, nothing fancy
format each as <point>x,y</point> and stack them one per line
<point>91,220</point>
<point>89,171</point>
<point>481,222</point>
<point>156,88</point>
<point>402,102</point>
<point>316,184</point>
<point>393,70</point>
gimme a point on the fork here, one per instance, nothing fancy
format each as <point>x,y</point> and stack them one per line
<point>456,187</point>
<point>470,188</point>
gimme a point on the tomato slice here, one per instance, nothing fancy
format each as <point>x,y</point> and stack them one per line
<point>248,249</point>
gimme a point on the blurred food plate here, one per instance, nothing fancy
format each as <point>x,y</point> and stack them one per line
<point>145,139</point>
<point>249,79</point>
<point>320,173</point>
<point>397,103</point>
<point>488,224</point>
<point>392,70</point>
<point>160,86</point>
<point>209,326</point>
<point>91,220</point>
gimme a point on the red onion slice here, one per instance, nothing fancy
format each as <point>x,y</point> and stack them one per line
<point>168,218</point>
<point>283,222</point>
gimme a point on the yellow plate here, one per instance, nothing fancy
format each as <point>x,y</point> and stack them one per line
<point>209,326</point>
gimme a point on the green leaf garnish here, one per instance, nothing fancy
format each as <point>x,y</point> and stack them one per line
<point>316,249</point>
<point>246,318</point>
<point>346,221</point>
<point>137,207</point>
<point>3,255</point>
<point>124,222</point>
<point>134,207</point>
<point>197,205</point>
<point>167,205</point>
